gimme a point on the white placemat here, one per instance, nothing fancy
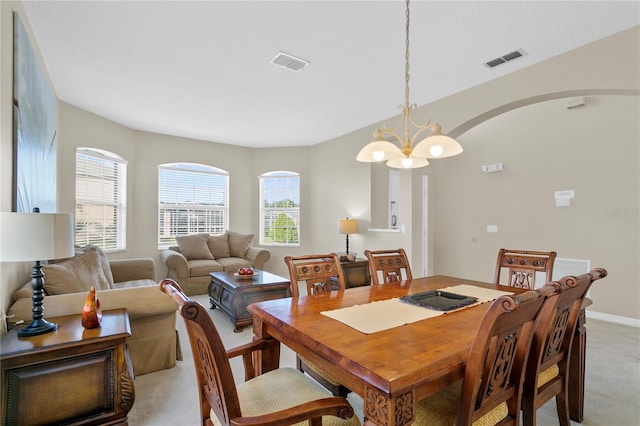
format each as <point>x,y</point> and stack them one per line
<point>385,314</point>
<point>382,315</point>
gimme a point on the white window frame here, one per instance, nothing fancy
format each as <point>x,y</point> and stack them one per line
<point>101,199</point>
<point>190,216</point>
<point>268,214</point>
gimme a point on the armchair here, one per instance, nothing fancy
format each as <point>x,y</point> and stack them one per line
<point>280,397</point>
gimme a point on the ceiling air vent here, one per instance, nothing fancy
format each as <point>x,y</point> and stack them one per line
<point>505,58</point>
<point>289,62</point>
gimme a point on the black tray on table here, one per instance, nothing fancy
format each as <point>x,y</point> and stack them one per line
<point>439,300</point>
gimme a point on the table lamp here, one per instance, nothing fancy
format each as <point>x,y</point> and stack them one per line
<point>347,226</point>
<point>29,236</point>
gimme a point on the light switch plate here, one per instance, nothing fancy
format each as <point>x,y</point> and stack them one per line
<point>492,228</point>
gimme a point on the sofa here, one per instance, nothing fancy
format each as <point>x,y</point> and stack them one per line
<point>196,255</point>
<point>126,283</point>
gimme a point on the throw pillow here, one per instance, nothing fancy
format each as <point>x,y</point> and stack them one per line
<point>104,261</point>
<point>194,246</point>
<point>239,244</point>
<point>76,275</point>
<point>219,246</point>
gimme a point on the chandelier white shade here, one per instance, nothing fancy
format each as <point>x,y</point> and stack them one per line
<point>398,149</point>
<point>437,145</point>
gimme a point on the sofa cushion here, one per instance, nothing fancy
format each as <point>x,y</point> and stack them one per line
<point>219,245</point>
<point>75,275</point>
<point>104,261</point>
<point>231,264</point>
<point>239,244</point>
<point>102,256</point>
<point>201,268</point>
<point>194,246</point>
<point>24,292</point>
<point>135,283</point>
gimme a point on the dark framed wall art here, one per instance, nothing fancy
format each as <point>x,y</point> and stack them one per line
<point>35,121</point>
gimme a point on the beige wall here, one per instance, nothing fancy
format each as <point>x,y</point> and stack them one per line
<point>462,200</point>
<point>592,150</point>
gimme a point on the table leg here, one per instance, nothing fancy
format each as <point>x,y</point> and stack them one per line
<point>577,370</point>
<point>269,358</point>
<point>382,409</point>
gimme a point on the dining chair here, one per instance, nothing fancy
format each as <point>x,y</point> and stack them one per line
<point>490,392</point>
<point>522,266</point>
<point>547,375</point>
<point>316,271</point>
<point>283,396</point>
<point>319,272</point>
<point>388,266</point>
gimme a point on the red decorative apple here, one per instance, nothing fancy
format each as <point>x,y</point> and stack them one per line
<point>248,271</point>
<point>242,271</point>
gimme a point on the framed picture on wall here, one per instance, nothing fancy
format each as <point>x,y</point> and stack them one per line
<point>35,122</point>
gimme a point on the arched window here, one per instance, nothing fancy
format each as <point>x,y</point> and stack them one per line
<point>280,208</point>
<point>101,199</point>
<point>193,198</point>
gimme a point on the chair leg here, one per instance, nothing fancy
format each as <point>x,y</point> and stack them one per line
<point>528,412</point>
<point>562,406</point>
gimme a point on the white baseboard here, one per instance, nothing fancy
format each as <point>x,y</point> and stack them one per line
<point>613,318</point>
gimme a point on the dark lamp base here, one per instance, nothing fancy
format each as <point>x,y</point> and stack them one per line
<point>37,327</point>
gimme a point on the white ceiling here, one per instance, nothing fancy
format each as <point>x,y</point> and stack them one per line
<point>201,69</point>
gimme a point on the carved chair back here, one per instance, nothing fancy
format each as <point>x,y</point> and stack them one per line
<point>217,389</point>
<point>320,272</point>
<point>522,266</point>
<point>497,362</point>
<point>551,348</point>
<point>317,271</point>
<point>388,266</point>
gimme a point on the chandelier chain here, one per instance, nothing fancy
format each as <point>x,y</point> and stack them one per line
<point>406,60</point>
<point>383,147</point>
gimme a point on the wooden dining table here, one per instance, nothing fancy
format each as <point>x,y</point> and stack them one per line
<point>391,369</point>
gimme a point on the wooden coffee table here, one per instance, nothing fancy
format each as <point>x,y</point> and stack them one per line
<point>233,294</point>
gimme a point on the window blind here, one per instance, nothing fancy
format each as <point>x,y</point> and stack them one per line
<point>101,182</point>
<point>193,198</point>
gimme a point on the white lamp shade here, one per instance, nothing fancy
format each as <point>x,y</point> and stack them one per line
<point>35,236</point>
<point>347,226</point>
<point>378,150</point>
<point>410,162</point>
<point>437,145</point>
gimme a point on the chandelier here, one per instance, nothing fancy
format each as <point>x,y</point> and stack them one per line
<point>383,146</point>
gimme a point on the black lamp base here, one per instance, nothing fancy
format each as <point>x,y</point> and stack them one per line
<point>38,324</point>
<point>37,327</point>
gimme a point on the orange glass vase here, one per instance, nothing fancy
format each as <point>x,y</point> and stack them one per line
<point>91,313</point>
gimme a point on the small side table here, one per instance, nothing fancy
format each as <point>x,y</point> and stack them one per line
<point>356,273</point>
<point>71,375</point>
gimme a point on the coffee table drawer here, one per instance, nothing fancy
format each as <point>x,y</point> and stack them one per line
<point>227,299</point>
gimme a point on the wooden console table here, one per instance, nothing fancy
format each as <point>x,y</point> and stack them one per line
<point>356,273</point>
<point>233,294</point>
<point>70,376</point>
